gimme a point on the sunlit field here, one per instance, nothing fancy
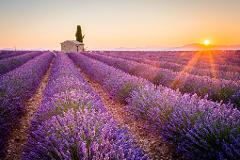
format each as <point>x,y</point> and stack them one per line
<point>120,105</point>
<point>120,80</point>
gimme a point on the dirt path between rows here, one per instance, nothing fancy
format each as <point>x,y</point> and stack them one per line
<point>19,135</point>
<point>151,144</point>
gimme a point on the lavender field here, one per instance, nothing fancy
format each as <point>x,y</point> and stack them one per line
<point>115,105</point>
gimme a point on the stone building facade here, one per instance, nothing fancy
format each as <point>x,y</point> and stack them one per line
<point>72,46</point>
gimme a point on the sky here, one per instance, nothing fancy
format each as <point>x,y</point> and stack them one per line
<point>31,24</point>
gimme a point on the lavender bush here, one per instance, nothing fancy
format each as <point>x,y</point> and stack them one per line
<point>213,71</point>
<point>15,88</point>
<point>216,136</point>
<point>4,53</point>
<point>117,85</point>
<point>236,99</point>
<point>8,54</point>
<point>72,122</point>
<point>11,63</point>
<point>217,90</point>
<point>225,61</point>
<point>199,128</point>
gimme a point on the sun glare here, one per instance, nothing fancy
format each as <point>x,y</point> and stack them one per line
<point>206,42</point>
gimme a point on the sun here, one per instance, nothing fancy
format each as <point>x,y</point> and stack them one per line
<point>206,42</point>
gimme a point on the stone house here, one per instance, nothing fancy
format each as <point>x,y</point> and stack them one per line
<point>72,46</point>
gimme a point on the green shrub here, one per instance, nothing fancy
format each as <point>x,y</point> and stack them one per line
<point>158,79</point>
<point>126,90</point>
<point>203,91</point>
<point>223,94</point>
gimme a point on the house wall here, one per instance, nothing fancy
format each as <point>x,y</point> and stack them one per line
<point>80,48</point>
<point>71,47</point>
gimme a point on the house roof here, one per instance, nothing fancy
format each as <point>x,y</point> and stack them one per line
<point>72,41</point>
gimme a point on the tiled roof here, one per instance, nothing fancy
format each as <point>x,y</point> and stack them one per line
<point>72,41</point>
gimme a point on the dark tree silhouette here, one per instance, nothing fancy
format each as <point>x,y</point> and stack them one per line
<point>79,36</point>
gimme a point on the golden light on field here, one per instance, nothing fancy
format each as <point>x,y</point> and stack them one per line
<point>206,42</point>
<point>206,56</point>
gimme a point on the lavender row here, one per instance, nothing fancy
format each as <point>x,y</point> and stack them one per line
<point>217,90</point>
<point>200,62</point>
<point>221,58</point>
<point>199,128</point>
<point>212,71</point>
<point>4,53</point>
<point>230,58</point>
<point>16,87</point>
<point>11,63</point>
<point>7,54</point>
<point>72,122</point>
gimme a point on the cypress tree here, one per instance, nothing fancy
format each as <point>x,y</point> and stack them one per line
<point>79,36</point>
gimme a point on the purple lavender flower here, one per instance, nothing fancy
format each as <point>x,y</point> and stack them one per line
<point>186,83</point>
<point>16,87</point>
<point>199,128</point>
<point>72,122</point>
<point>11,63</point>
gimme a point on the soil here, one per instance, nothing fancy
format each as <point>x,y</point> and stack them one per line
<point>19,134</point>
<point>154,146</point>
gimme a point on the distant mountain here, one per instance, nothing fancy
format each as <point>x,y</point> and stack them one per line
<point>197,47</point>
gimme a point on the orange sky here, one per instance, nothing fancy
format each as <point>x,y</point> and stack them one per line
<point>44,24</point>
